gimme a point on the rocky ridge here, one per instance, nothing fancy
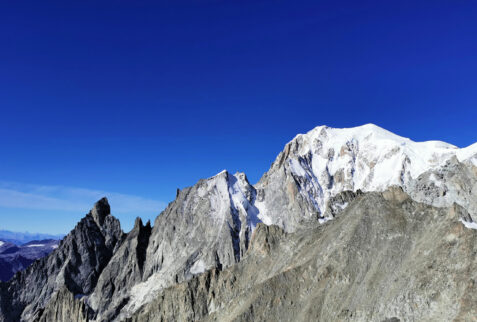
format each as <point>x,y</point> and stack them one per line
<point>75,265</point>
<point>384,258</point>
<point>100,274</point>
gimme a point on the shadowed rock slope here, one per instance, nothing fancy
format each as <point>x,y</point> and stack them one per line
<point>75,265</point>
<point>386,256</point>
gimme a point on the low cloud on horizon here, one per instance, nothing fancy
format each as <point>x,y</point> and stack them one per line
<point>61,198</point>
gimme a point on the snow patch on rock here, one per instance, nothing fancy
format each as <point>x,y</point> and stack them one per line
<point>324,219</point>
<point>198,267</point>
<point>470,225</point>
<point>262,213</point>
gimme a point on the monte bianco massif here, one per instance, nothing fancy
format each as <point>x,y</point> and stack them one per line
<point>354,224</point>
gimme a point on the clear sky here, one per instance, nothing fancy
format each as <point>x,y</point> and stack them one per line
<point>133,99</point>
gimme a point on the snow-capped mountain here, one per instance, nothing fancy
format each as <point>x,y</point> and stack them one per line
<point>326,161</point>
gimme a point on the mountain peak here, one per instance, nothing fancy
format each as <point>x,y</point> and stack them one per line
<point>100,210</point>
<point>223,173</point>
<point>373,143</point>
<point>369,132</point>
<point>326,161</point>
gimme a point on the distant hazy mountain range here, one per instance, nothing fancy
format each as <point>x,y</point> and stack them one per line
<point>20,238</point>
<point>14,257</point>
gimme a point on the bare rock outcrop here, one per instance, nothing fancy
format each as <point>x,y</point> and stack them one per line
<point>75,265</point>
<point>385,258</point>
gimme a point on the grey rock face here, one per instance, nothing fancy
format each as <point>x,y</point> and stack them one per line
<point>124,270</point>
<point>63,306</point>
<point>208,225</point>
<point>385,257</point>
<point>455,182</point>
<point>76,264</point>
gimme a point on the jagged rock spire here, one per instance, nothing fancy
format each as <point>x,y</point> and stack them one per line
<point>100,210</point>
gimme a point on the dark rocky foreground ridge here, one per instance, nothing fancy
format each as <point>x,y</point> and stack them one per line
<point>347,225</point>
<point>75,265</point>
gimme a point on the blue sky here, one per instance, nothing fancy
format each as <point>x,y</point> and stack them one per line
<point>133,99</point>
